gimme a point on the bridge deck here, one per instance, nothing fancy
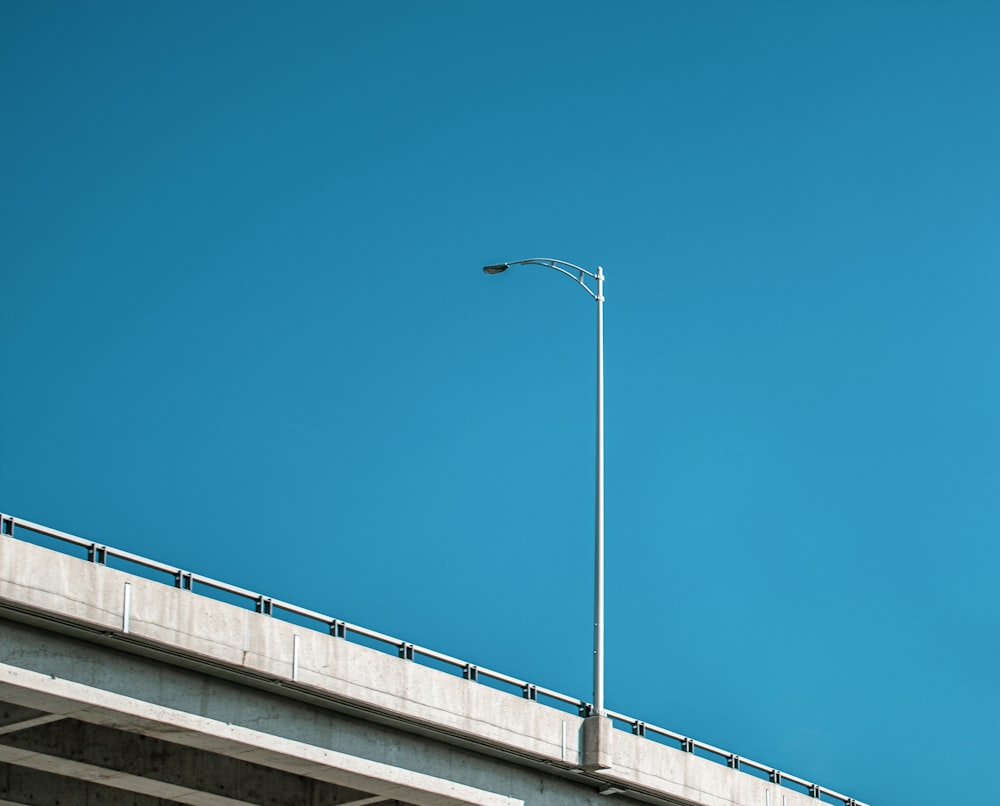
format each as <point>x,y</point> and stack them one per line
<point>118,689</point>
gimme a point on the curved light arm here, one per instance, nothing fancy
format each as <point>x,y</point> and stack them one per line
<point>571,270</point>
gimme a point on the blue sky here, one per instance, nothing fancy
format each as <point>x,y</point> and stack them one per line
<point>245,331</point>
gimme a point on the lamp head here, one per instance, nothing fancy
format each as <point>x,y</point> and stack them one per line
<point>496,268</point>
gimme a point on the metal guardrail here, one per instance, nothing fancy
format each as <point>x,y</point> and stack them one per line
<point>269,606</point>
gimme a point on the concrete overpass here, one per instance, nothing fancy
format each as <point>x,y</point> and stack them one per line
<point>119,689</point>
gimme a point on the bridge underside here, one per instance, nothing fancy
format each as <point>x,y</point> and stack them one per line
<point>70,761</point>
<point>81,724</point>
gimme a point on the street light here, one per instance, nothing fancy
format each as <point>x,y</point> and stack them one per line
<point>578,274</point>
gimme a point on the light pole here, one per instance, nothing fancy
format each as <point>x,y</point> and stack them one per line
<point>578,274</point>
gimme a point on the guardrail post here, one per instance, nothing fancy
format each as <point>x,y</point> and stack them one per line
<point>182,580</point>
<point>585,709</point>
<point>263,605</point>
<point>530,691</point>
<point>406,651</point>
<point>733,762</point>
<point>687,745</point>
<point>97,554</point>
<point>6,525</point>
<point>814,790</point>
<point>775,777</point>
<point>470,672</point>
<point>638,728</point>
<point>338,629</point>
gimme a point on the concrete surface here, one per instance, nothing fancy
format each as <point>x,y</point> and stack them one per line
<point>154,694</point>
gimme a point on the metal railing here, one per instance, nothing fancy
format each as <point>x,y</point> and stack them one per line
<point>269,606</point>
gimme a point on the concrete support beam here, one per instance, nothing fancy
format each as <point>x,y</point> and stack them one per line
<point>14,718</point>
<point>23,786</point>
<point>101,708</point>
<point>131,784</point>
<point>156,768</point>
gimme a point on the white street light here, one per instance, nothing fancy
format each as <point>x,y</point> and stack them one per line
<point>578,274</point>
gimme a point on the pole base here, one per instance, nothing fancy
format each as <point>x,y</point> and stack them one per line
<point>597,738</point>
